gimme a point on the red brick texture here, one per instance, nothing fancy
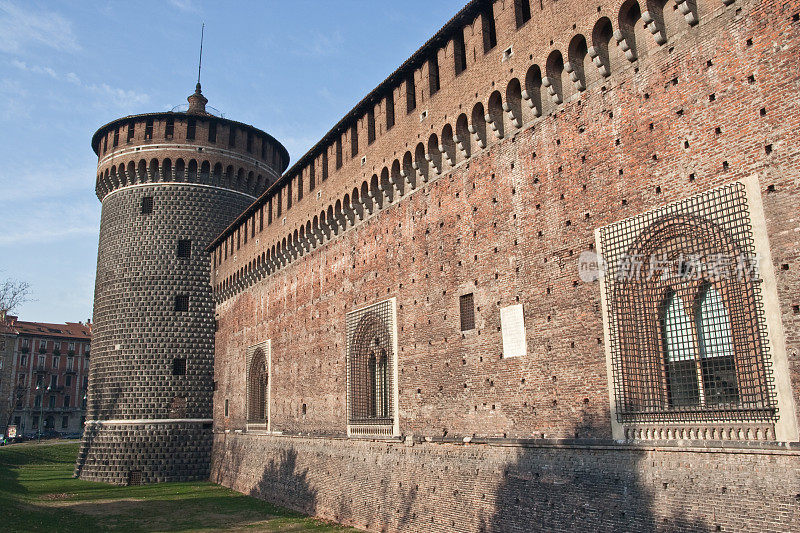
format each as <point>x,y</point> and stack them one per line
<point>715,103</point>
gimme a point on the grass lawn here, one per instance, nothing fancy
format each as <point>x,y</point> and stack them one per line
<point>38,493</point>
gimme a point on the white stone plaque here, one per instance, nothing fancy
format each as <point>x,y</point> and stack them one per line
<point>512,326</point>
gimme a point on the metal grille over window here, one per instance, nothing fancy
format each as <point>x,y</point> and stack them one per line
<point>371,366</point>
<point>467,306</point>
<point>685,314</point>
<point>258,357</point>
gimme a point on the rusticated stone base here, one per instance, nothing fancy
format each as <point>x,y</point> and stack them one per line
<point>145,453</point>
<point>516,486</point>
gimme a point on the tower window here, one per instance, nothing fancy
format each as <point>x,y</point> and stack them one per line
<point>147,205</point>
<point>433,73</point>
<point>325,165</point>
<point>131,129</point>
<point>116,137</point>
<point>312,178</point>
<point>371,126</point>
<point>467,309</point>
<point>338,152</point>
<point>459,53</point>
<point>184,248</point>
<point>389,110</point>
<point>212,132</point>
<point>148,129</point>
<point>354,140</point>
<point>169,129</point>
<point>232,136</point>
<point>488,29</point>
<point>191,129</point>
<point>411,93</point>
<point>179,366</point>
<point>522,11</point>
<point>182,302</point>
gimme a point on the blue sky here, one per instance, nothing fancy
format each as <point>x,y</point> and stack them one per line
<point>66,68</point>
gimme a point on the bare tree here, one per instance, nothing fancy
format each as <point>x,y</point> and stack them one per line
<point>13,293</point>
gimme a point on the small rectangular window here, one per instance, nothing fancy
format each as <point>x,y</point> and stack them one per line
<point>467,308</point>
<point>105,144</point>
<point>67,401</point>
<point>169,129</point>
<point>212,132</point>
<point>131,130</point>
<point>116,137</point>
<point>433,73</point>
<point>64,422</point>
<point>147,205</point>
<point>148,129</point>
<point>182,302</point>
<point>338,152</point>
<point>269,212</point>
<point>232,137</point>
<point>68,380</point>
<point>312,178</point>
<point>289,195</point>
<point>411,93</point>
<point>459,53</point>
<point>279,201</point>
<point>371,126</point>
<point>184,248</point>
<point>488,29</point>
<point>179,366</point>
<point>325,165</point>
<point>390,110</point>
<point>226,407</point>
<point>191,129</point>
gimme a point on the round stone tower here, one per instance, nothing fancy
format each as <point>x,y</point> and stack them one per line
<point>169,183</point>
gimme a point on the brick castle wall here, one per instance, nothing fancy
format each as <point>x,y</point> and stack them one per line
<point>511,488</point>
<point>717,102</point>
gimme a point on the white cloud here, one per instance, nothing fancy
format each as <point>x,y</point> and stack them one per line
<point>22,65</point>
<point>109,96</point>
<point>318,44</point>
<point>187,6</point>
<point>22,26</point>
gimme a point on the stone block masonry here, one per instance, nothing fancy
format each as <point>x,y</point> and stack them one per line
<point>168,182</point>
<point>515,487</point>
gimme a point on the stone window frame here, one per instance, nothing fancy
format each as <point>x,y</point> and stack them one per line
<point>266,347</point>
<point>782,425</point>
<point>389,426</point>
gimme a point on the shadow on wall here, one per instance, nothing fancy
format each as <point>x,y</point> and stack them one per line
<point>91,431</point>
<point>575,488</point>
<point>282,483</point>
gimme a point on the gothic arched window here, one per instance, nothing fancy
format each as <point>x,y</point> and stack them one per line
<point>257,383</point>
<point>370,369</point>
<point>686,322</point>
